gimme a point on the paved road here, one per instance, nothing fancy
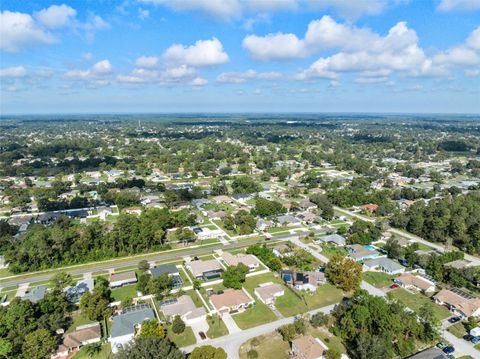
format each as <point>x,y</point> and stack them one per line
<point>106,265</point>
<point>231,343</point>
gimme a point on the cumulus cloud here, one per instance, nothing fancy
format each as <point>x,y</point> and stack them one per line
<point>56,16</point>
<point>467,53</point>
<point>13,72</point>
<point>18,30</point>
<point>461,5</point>
<point>202,53</point>
<point>147,61</point>
<point>94,74</point>
<point>224,9</point>
<point>350,9</point>
<point>242,77</point>
<point>321,34</point>
<point>198,81</point>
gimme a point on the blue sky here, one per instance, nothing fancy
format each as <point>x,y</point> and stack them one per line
<point>240,56</point>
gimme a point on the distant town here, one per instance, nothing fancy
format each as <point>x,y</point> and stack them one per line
<point>238,237</point>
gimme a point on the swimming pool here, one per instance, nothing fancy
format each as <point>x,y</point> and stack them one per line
<point>370,247</point>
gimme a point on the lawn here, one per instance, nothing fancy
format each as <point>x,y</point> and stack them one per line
<point>458,329</point>
<point>329,250</point>
<point>127,291</point>
<point>330,340</point>
<point>281,229</point>
<point>415,301</point>
<point>269,345</point>
<point>217,327</point>
<point>105,353</point>
<point>257,314</point>
<point>325,295</point>
<point>196,299</point>
<point>378,279</point>
<point>78,320</point>
<point>183,339</point>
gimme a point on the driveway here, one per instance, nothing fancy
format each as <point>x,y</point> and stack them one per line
<point>200,326</point>
<point>230,323</point>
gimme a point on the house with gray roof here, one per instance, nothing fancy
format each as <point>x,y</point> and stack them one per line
<point>383,264</point>
<point>36,294</point>
<point>171,270</point>
<point>73,293</point>
<point>127,324</point>
<point>336,239</point>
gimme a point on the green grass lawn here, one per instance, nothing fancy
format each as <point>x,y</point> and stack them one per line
<point>105,353</point>
<point>330,340</point>
<point>78,320</point>
<point>281,229</point>
<point>127,291</point>
<point>255,315</point>
<point>415,301</point>
<point>183,339</point>
<point>458,329</point>
<point>325,295</point>
<point>267,346</point>
<point>4,272</point>
<point>424,247</point>
<point>217,327</point>
<point>378,279</point>
<point>329,250</point>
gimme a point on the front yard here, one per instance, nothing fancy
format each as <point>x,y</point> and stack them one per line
<point>269,345</point>
<point>217,327</point>
<point>125,292</point>
<point>378,279</point>
<point>183,339</point>
<point>415,301</point>
<point>325,295</point>
<point>255,315</point>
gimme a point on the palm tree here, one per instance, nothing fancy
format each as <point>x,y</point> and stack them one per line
<point>93,349</point>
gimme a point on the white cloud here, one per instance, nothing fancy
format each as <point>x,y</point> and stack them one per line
<point>15,71</point>
<point>143,14</point>
<point>147,62</point>
<point>56,16</point>
<point>242,77</point>
<point>98,70</point>
<point>461,5</point>
<point>224,9</point>
<point>179,72</point>
<point>321,34</point>
<point>198,81</point>
<point>203,53</point>
<point>18,30</point>
<point>467,53</point>
<point>472,72</point>
<point>350,9</point>
<point>87,56</point>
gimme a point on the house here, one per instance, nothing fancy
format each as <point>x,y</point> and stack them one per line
<point>231,300</point>
<point>280,250</point>
<point>171,270</point>
<point>73,293</point>
<point>308,281</point>
<point>207,233</point>
<point>216,215</point>
<point>120,279</point>
<point>421,283</point>
<point>358,252</point>
<point>336,239</point>
<point>263,225</point>
<point>430,353</point>
<point>287,276</point>
<point>458,264</point>
<point>184,307</point>
<point>241,197</point>
<point>288,220</point>
<point>308,347</point>
<point>383,264</point>
<point>210,269</point>
<point>459,302</point>
<point>370,207</point>
<point>235,259</point>
<point>268,292</point>
<point>221,199</point>
<point>71,342</point>
<point>133,210</point>
<point>127,324</point>
<point>47,218</point>
<point>306,205</point>
<point>36,294</point>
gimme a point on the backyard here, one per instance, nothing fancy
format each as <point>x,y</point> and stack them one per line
<point>269,345</point>
<point>378,279</point>
<point>415,301</point>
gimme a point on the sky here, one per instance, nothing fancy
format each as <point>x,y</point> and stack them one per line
<point>163,56</point>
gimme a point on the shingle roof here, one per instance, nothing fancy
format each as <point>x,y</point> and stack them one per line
<point>125,323</point>
<point>164,268</point>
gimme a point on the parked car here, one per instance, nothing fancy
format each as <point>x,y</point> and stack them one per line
<point>394,285</point>
<point>441,345</point>
<point>454,319</point>
<point>202,335</point>
<point>449,349</point>
<point>468,337</point>
<point>475,340</point>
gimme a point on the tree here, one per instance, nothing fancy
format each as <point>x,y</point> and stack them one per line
<point>333,353</point>
<point>197,284</point>
<point>344,272</point>
<point>393,248</point>
<point>38,344</point>
<point>287,332</point>
<point>5,348</point>
<point>149,347</point>
<point>152,328</point>
<point>235,276</point>
<point>160,286</point>
<point>95,305</point>
<point>324,205</point>
<point>93,349</point>
<point>300,326</point>
<point>178,326</point>
<point>319,319</point>
<point>61,280</point>
<point>208,352</point>
<point>143,265</point>
<point>142,283</point>
<point>266,208</point>
<point>362,232</point>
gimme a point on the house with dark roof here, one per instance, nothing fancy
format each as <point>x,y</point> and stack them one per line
<point>171,270</point>
<point>336,239</point>
<point>36,294</point>
<point>127,324</point>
